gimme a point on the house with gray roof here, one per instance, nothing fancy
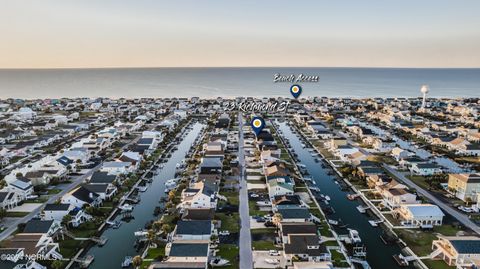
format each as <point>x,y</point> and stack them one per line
<point>193,230</point>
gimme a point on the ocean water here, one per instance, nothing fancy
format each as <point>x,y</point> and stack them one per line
<point>231,82</point>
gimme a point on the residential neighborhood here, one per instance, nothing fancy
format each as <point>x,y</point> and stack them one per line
<point>185,183</point>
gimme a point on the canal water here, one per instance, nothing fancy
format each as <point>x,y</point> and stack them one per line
<point>379,255</point>
<point>121,241</point>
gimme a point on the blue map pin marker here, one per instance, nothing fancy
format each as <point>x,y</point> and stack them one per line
<point>257,124</point>
<point>296,90</point>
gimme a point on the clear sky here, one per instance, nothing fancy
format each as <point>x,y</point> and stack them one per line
<point>176,33</point>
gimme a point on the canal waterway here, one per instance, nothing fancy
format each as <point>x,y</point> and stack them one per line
<point>121,241</point>
<point>379,255</point>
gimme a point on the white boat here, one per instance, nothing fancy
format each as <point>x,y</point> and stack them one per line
<point>126,207</point>
<point>142,188</point>
<point>171,182</point>
<point>219,262</point>
<point>264,203</point>
<point>327,197</point>
<point>354,236</point>
<point>314,188</point>
<point>141,233</point>
<point>362,209</point>
<point>333,222</point>
<point>127,261</point>
<point>272,261</point>
<point>375,223</point>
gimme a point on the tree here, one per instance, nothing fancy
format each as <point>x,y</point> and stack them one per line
<point>166,228</point>
<point>66,219</point>
<point>137,261</point>
<point>468,201</point>
<point>277,218</point>
<point>3,213</point>
<point>151,236</point>
<point>171,195</point>
<point>57,264</point>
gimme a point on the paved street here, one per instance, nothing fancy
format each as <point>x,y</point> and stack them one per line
<point>447,208</point>
<point>246,257</point>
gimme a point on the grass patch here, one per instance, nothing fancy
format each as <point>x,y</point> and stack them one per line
<point>419,241</point>
<point>437,264</point>
<point>263,245</point>
<point>230,223</point>
<point>254,209</point>
<point>15,214</point>
<point>156,253</point>
<point>68,248</point>
<point>229,252</point>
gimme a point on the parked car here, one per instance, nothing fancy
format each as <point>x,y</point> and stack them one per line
<point>259,220</point>
<point>224,233</point>
<point>273,253</point>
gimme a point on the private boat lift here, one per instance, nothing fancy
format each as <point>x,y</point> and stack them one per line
<point>142,188</point>
<point>352,197</point>
<point>114,224</point>
<point>375,223</point>
<point>84,262</point>
<point>362,209</point>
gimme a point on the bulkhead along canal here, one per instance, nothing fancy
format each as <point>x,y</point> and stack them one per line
<point>121,241</point>
<point>379,255</point>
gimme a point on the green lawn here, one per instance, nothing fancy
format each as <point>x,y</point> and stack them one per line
<point>229,252</point>
<point>230,223</point>
<point>156,253</point>
<point>419,241</point>
<point>69,247</point>
<point>437,264</point>
<point>254,210</point>
<point>85,230</point>
<point>232,197</point>
<point>14,214</point>
<point>338,259</point>
<point>263,245</point>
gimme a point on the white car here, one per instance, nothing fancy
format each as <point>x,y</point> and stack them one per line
<point>274,252</point>
<point>224,233</point>
<point>254,195</point>
<point>465,209</point>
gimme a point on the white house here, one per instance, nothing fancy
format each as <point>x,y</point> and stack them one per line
<point>420,215</point>
<point>117,168</point>
<point>22,187</point>
<point>425,169</point>
<point>81,196</point>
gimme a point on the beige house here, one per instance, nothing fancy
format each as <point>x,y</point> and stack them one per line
<point>464,186</point>
<point>461,252</point>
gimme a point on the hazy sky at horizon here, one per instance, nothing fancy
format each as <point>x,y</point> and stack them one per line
<point>141,33</point>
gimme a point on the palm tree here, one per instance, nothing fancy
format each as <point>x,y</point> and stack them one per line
<point>171,195</point>
<point>277,218</point>
<point>166,228</point>
<point>137,261</point>
<point>151,236</point>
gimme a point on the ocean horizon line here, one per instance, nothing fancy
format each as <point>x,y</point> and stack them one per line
<point>232,67</point>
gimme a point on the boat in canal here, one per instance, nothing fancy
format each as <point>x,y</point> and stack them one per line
<point>127,261</point>
<point>354,236</point>
<point>343,209</point>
